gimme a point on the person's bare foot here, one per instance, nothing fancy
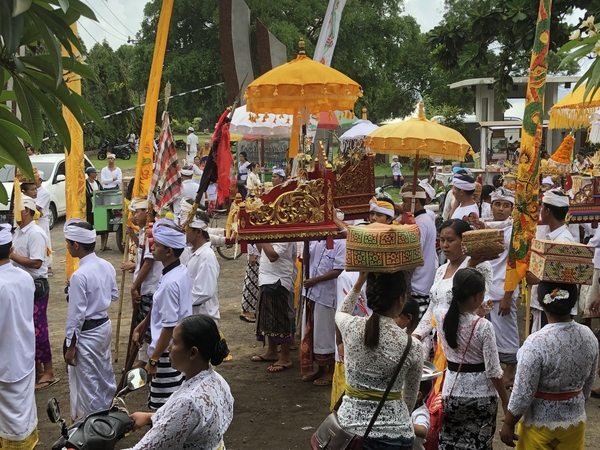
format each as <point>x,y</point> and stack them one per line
<point>264,358</point>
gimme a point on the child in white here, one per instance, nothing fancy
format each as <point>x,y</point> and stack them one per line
<point>420,416</point>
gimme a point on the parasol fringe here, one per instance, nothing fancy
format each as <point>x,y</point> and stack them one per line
<point>572,118</point>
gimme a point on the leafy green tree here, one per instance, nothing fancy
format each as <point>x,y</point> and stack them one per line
<point>37,78</point>
<point>478,33</point>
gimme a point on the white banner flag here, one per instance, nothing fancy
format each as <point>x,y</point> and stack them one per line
<point>329,32</point>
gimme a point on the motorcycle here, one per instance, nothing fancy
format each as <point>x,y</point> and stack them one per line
<point>100,430</point>
<point>180,144</point>
<point>123,151</point>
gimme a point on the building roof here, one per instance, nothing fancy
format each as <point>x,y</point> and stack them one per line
<point>516,80</point>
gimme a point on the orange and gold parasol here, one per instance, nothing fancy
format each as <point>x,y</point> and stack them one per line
<point>301,87</point>
<point>572,112</point>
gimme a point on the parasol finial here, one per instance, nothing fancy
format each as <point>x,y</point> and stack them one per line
<point>301,47</point>
<point>421,110</point>
<point>364,113</point>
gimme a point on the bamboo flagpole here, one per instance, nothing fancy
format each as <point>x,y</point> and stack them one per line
<point>525,214</point>
<point>125,217</point>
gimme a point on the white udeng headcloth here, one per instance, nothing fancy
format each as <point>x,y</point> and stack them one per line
<point>556,197</point>
<point>381,207</point>
<point>502,194</point>
<point>5,236</point>
<point>428,188</point>
<point>461,183</point>
<point>167,233</point>
<point>77,234</point>
<point>198,223</point>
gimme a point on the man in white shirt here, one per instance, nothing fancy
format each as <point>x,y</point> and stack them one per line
<point>111,176</point>
<point>203,268</point>
<point>463,190</point>
<point>146,271</point>
<point>422,277</point>
<point>318,337</point>
<point>555,206</point>
<point>172,302</point>
<point>29,253</point>
<point>88,333</point>
<point>276,281</point>
<point>189,189</point>
<point>42,202</point>
<point>18,412</point>
<point>192,142</point>
<point>504,314</point>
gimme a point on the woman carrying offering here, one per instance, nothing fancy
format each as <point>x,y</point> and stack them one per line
<point>555,375</point>
<point>474,378</point>
<point>373,347</point>
<point>200,412</point>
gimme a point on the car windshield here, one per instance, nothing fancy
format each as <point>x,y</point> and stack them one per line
<point>7,173</point>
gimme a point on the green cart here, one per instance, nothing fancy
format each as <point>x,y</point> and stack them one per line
<point>108,214</point>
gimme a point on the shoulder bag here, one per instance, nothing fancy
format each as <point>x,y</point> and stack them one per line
<point>331,436</point>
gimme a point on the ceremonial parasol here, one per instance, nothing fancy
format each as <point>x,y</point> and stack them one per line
<point>301,87</point>
<point>263,125</point>
<point>355,136</point>
<point>418,136</point>
<point>572,112</point>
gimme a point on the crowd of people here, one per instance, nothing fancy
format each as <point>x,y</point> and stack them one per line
<point>358,329</point>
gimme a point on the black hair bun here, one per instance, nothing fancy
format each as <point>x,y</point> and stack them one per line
<point>220,353</point>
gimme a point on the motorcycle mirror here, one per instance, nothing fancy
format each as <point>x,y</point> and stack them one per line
<point>136,378</point>
<point>53,410</point>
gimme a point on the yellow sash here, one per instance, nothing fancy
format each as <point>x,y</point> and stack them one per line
<point>366,394</point>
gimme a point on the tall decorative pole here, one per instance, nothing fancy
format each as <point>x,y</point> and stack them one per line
<point>143,171</point>
<point>526,214</point>
<point>74,166</point>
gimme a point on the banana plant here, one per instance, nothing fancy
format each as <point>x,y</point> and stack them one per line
<point>39,76</point>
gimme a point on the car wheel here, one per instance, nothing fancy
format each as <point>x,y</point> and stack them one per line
<point>53,216</point>
<point>120,240</point>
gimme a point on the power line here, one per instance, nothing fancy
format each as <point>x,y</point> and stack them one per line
<point>84,29</point>
<point>115,16</point>
<point>111,25</point>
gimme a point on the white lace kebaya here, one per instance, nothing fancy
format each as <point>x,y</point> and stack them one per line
<point>441,293</point>
<point>560,358</point>
<point>372,370</point>
<point>482,349</point>
<point>195,417</point>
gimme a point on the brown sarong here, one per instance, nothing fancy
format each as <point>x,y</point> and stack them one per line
<point>272,318</point>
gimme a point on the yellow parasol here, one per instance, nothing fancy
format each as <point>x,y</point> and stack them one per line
<point>416,136</point>
<point>572,112</point>
<point>301,87</point>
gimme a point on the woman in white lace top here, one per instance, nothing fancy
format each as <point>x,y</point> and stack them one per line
<point>373,347</point>
<point>474,378</point>
<point>555,375</point>
<point>200,412</point>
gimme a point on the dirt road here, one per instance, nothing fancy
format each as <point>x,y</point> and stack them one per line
<point>272,411</point>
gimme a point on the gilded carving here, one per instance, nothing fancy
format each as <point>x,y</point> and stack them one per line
<point>286,235</point>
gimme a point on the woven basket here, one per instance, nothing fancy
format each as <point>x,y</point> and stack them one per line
<point>483,243</point>
<point>560,269</point>
<point>383,248</point>
<point>563,249</point>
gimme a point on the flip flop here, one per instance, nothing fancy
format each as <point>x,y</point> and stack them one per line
<point>310,377</point>
<point>46,384</point>
<point>247,319</point>
<point>106,249</point>
<point>276,368</point>
<point>258,358</point>
<point>322,382</point>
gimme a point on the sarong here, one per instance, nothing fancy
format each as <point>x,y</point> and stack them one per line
<point>507,332</point>
<point>318,340</point>
<point>587,295</point>
<point>43,352</point>
<point>469,423</point>
<point>534,438</point>
<point>92,381</point>
<point>339,383</point>
<point>251,289</point>
<point>166,382</point>
<point>272,318</point>
<point>18,416</point>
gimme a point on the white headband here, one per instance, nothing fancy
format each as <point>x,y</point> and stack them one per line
<point>27,202</point>
<point>556,197</point>
<point>5,236</point>
<point>502,194</point>
<point>548,180</point>
<point>167,233</point>
<point>428,188</point>
<point>465,185</point>
<point>187,172</point>
<point>138,203</point>
<point>279,172</point>
<point>197,223</point>
<point>78,234</point>
<point>381,207</point>
<point>41,175</point>
<point>418,194</point>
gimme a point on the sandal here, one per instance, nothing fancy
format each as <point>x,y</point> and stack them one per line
<point>311,377</point>
<point>258,358</point>
<point>248,319</point>
<point>43,385</point>
<point>276,368</point>
<point>322,382</point>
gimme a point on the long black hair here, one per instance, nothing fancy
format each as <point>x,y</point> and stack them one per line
<point>466,284</point>
<point>201,331</point>
<point>383,291</point>
<point>458,225</point>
